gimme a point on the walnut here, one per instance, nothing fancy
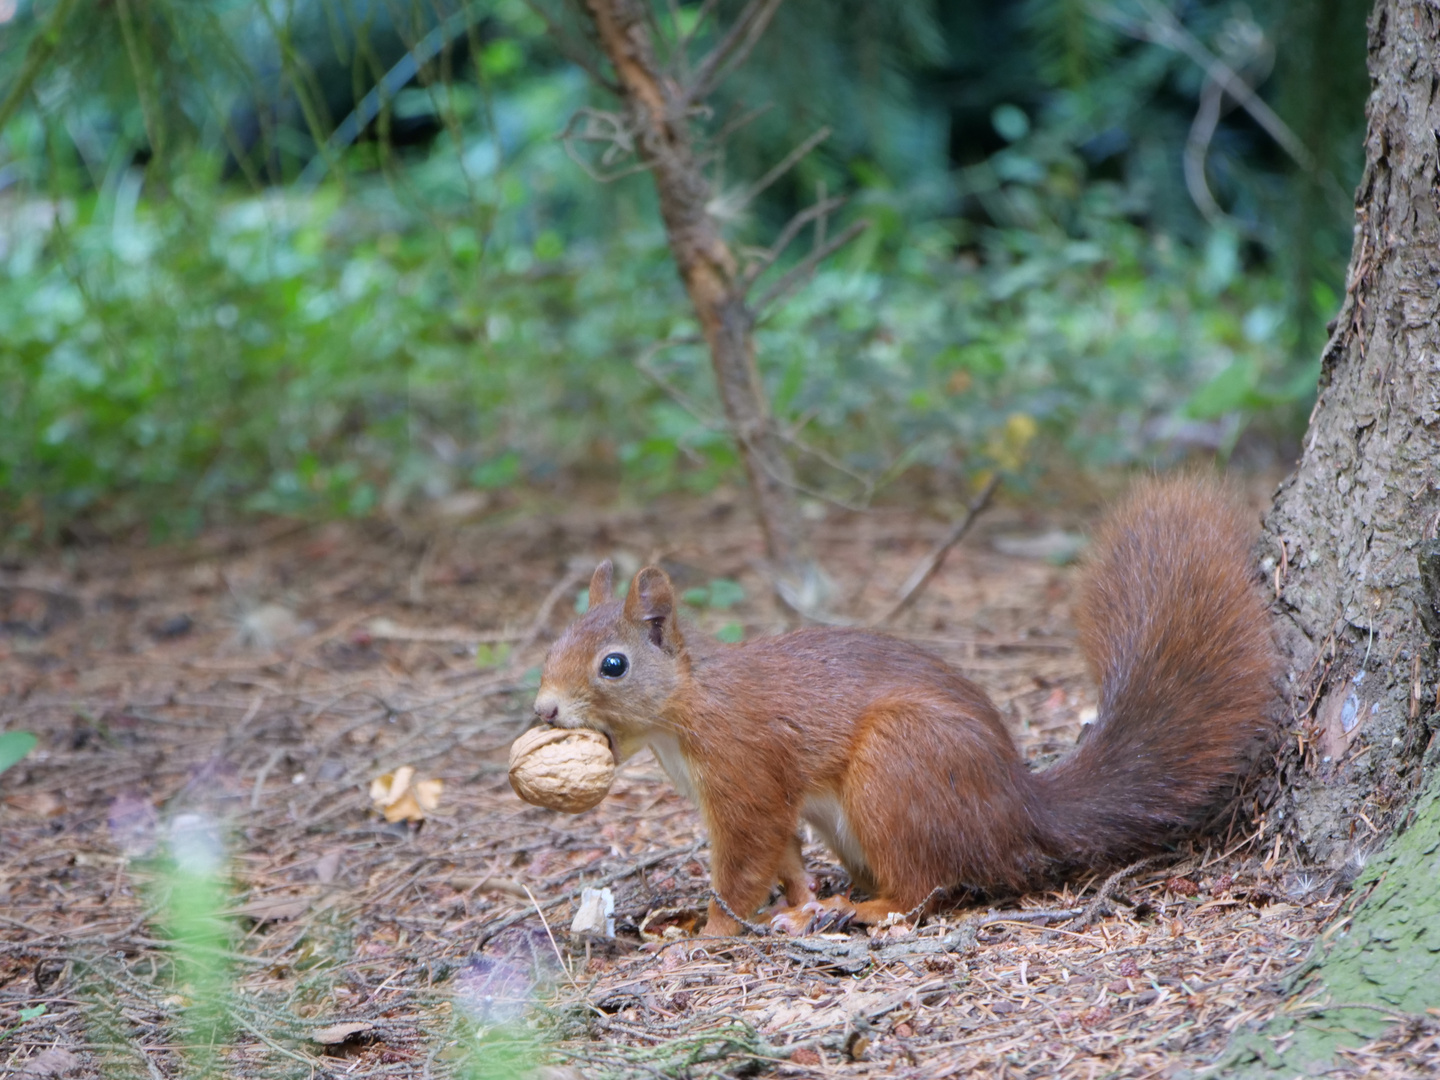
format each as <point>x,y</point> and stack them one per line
<point>560,768</point>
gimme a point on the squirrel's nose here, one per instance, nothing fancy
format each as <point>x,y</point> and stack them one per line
<point>547,708</point>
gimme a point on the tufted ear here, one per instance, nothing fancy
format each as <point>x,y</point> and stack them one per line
<point>602,584</point>
<point>651,604</point>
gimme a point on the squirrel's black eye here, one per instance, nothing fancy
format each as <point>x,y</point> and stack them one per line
<point>614,665</point>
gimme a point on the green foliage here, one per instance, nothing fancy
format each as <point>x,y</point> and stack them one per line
<point>33,1012</point>
<point>14,745</point>
<point>719,595</point>
<point>402,325</point>
<point>318,354</point>
<point>489,656</point>
<point>191,891</point>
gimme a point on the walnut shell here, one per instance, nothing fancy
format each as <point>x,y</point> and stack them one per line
<point>561,768</point>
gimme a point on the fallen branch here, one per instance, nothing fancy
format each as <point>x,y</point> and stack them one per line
<point>571,894</point>
<point>930,565</point>
<point>1101,904</point>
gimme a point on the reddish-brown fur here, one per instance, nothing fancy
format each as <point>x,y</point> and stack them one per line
<point>904,765</point>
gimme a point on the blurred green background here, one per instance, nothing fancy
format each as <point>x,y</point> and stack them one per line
<point>236,279</point>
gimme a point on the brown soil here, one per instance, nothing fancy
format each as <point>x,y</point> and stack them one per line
<point>251,685</point>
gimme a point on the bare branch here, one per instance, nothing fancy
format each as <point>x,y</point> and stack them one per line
<point>657,111</point>
<point>765,258</point>
<point>1161,28</point>
<point>867,484</point>
<point>608,129</point>
<point>706,9</point>
<point>791,437</point>
<point>568,49</point>
<point>643,362</point>
<point>42,47</point>
<point>801,270</point>
<point>820,200</point>
<point>1197,149</point>
<point>928,566</point>
<point>680,57</point>
<point>734,204</point>
<point>733,48</point>
<point>740,121</point>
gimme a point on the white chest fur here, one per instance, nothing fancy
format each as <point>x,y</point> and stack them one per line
<point>827,817</point>
<point>667,750</point>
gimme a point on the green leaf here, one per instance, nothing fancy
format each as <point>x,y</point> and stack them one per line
<point>14,745</point>
<point>32,1013</point>
<point>731,633</point>
<point>1233,389</point>
<point>488,655</point>
<point>498,472</point>
<point>1010,122</point>
<point>725,593</point>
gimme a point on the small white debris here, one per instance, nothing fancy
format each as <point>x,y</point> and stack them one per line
<point>596,914</point>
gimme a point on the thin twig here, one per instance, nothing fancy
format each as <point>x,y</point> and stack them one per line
<point>609,129</point>
<point>930,565</point>
<point>766,258</point>
<point>801,270</point>
<point>575,576</point>
<point>1161,28</point>
<point>732,50</point>
<point>739,122</point>
<point>784,165</point>
<point>704,13</point>
<point>714,423</point>
<point>619,875</point>
<point>42,47</point>
<point>569,49</point>
<point>1101,903</point>
<point>754,928</point>
<point>551,935</point>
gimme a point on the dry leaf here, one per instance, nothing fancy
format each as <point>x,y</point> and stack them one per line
<point>670,923</point>
<point>328,866</point>
<point>57,1061</point>
<point>400,797</point>
<point>45,804</point>
<point>339,1033</point>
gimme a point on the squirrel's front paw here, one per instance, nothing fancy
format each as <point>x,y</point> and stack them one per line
<point>814,917</point>
<point>795,921</point>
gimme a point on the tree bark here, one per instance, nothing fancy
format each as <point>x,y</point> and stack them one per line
<point>658,110</point>
<point>1347,528</point>
<point>1350,542</point>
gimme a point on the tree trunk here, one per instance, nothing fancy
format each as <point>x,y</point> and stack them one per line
<point>659,112</point>
<point>1345,542</point>
<point>1348,527</point>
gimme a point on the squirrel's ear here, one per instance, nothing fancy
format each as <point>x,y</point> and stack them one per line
<point>651,603</point>
<point>602,583</point>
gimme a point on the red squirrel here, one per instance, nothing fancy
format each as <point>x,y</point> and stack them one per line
<point>901,764</point>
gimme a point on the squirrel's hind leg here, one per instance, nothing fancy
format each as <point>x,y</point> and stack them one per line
<point>744,868</point>
<point>799,886</point>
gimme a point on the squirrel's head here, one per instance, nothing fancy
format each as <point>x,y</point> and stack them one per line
<point>614,668</point>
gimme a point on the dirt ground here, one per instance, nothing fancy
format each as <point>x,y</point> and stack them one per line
<point>246,688</point>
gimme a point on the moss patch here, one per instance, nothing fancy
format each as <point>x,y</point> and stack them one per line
<point>1372,968</point>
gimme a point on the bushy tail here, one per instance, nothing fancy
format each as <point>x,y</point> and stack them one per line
<point>1179,640</point>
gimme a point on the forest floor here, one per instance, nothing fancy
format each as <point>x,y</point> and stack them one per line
<point>247,687</point>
